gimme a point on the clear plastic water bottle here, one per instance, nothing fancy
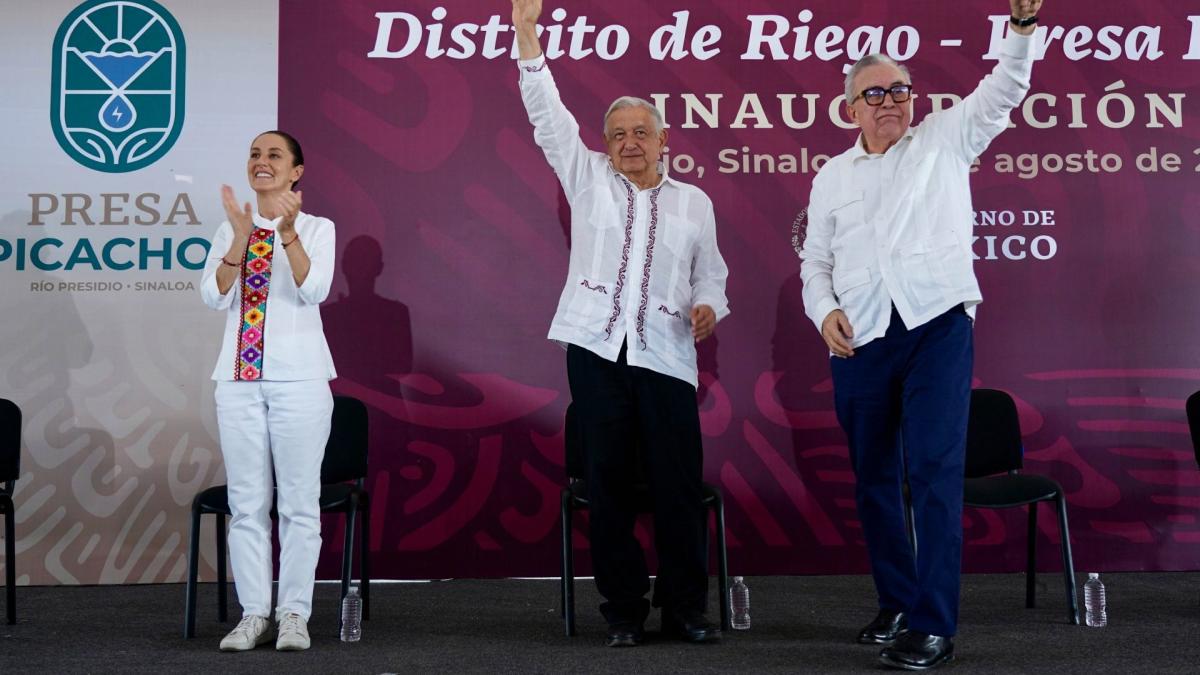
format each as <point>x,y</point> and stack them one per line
<point>352,616</point>
<point>739,604</point>
<point>1093,601</point>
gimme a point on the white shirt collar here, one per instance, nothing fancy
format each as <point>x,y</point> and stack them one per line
<point>859,151</point>
<point>664,176</point>
<point>268,224</point>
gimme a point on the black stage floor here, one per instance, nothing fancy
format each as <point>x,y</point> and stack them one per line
<point>800,624</point>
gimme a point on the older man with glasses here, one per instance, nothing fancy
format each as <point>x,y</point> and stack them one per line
<point>888,280</point>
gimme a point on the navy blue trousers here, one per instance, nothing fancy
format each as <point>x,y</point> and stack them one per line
<point>903,401</point>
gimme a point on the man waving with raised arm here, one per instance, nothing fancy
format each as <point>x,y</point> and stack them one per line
<point>645,282</point>
<point>888,280</point>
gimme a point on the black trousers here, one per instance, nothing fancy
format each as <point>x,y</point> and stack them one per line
<point>639,424</point>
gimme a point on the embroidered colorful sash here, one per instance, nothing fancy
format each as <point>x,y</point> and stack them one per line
<point>256,282</point>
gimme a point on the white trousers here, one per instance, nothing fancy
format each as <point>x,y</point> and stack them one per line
<point>273,435</point>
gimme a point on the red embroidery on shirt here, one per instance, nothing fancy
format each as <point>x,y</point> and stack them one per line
<point>600,288</point>
<point>641,313</point>
<point>629,214</point>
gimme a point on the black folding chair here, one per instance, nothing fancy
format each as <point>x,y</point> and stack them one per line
<point>993,481</point>
<point>1193,417</point>
<point>574,498</point>
<point>10,471</point>
<point>343,474</point>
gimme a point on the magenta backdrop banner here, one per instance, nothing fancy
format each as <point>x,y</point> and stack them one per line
<point>453,239</point>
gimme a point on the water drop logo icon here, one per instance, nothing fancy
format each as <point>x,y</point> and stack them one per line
<point>117,87</point>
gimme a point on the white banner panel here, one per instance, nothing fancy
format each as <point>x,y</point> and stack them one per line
<point>122,119</point>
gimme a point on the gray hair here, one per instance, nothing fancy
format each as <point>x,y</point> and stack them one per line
<point>635,102</point>
<point>866,62</point>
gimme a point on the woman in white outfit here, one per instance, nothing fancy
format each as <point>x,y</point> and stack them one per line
<point>268,270</point>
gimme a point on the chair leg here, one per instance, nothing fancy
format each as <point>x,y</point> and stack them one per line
<point>1031,559</point>
<point>222,575</point>
<point>722,565</point>
<point>567,592</point>
<point>347,555</point>
<point>1068,562</point>
<point>10,561</point>
<point>189,609</point>
<point>364,556</point>
<point>910,521</point>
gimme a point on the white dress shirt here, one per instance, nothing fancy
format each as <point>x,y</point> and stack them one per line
<point>640,259</point>
<point>294,346</point>
<point>895,228</point>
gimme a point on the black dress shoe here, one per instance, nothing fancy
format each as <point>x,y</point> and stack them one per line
<point>918,651</point>
<point>691,625</point>
<point>887,626</point>
<point>625,634</point>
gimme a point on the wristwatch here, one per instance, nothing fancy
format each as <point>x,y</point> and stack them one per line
<point>1023,23</point>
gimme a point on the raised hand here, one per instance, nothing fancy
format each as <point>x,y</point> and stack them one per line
<point>1023,9</point>
<point>288,205</point>
<point>242,219</point>
<point>525,13</point>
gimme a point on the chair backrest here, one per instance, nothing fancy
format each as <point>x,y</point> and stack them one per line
<point>10,441</point>
<point>1193,414</point>
<point>993,434</point>
<point>346,451</point>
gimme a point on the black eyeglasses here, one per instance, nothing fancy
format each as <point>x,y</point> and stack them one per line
<point>874,95</point>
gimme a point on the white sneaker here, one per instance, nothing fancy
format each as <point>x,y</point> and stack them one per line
<point>293,634</point>
<point>250,632</point>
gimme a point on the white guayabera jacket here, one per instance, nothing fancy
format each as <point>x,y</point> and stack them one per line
<point>640,259</point>
<point>895,228</point>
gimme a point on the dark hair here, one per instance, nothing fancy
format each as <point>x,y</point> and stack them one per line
<point>293,147</point>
